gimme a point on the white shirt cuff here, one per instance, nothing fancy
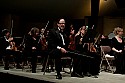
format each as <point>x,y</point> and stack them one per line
<point>58,47</point>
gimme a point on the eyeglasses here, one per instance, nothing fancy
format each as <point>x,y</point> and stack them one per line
<point>61,23</point>
<point>120,31</point>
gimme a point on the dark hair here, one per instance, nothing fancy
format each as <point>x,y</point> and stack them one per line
<point>59,19</point>
<point>5,31</point>
<point>33,31</point>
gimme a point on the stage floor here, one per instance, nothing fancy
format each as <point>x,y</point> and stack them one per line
<point>49,77</point>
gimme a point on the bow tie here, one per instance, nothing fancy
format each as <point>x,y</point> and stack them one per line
<point>61,32</point>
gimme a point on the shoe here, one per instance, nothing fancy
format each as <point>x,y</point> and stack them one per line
<point>115,72</point>
<point>6,68</point>
<point>88,74</point>
<point>59,76</point>
<point>47,70</point>
<point>77,75</point>
<point>94,76</point>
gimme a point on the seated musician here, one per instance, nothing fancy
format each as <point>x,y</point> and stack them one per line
<point>87,66</point>
<point>79,60</point>
<point>92,63</point>
<point>7,49</point>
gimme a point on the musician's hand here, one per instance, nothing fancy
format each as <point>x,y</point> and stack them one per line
<point>120,51</point>
<point>10,39</point>
<point>81,39</point>
<point>63,50</point>
<point>33,48</point>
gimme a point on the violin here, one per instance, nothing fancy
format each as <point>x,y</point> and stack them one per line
<point>92,48</point>
<point>12,44</point>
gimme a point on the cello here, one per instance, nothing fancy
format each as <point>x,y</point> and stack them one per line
<point>92,45</point>
<point>42,39</point>
<point>71,45</point>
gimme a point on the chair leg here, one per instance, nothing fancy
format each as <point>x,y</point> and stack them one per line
<point>101,63</point>
<point>46,65</point>
<point>69,65</point>
<point>26,63</point>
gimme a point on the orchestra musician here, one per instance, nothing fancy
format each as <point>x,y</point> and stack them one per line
<point>79,61</point>
<point>117,45</point>
<point>57,45</point>
<point>31,47</point>
<point>87,66</point>
<point>93,64</point>
<point>8,48</point>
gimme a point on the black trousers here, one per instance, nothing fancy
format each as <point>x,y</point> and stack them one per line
<point>32,54</point>
<point>56,54</point>
<point>119,62</point>
<point>94,63</point>
<point>79,64</point>
<point>17,57</point>
<point>84,65</point>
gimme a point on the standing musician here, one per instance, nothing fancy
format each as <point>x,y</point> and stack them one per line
<point>8,48</point>
<point>31,47</point>
<point>57,45</point>
<point>117,45</point>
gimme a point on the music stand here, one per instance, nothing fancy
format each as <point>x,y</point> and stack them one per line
<point>89,37</point>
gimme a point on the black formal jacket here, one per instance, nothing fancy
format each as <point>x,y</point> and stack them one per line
<point>54,39</point>
<point>3,45</point>
<point>29,43</point>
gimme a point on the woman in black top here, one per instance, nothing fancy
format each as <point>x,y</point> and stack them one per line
<point>79,62</point>
<point>31,47</point>
<point>117,46</point>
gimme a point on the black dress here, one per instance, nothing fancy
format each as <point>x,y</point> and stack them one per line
<point>29,52</point>
<point>119,57</point>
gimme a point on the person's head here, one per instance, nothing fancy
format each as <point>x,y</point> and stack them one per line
<point>34,31</point>
<point>5,32</point>
<point>72,30</point>
<point>42,30</point>
<point>118,31</point>
<point>61,24</point>
<point>83,30</point>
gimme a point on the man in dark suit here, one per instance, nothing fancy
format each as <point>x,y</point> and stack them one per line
<point>57,45</point>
